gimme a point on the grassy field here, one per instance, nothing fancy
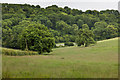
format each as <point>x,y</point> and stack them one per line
<point>98,61</point>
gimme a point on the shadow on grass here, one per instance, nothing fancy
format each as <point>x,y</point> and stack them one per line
<point>47,54</point>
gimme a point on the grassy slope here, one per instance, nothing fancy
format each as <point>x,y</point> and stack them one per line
<point>99,61</point>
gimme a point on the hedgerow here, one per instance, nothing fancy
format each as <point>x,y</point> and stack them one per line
<point>12,52</point>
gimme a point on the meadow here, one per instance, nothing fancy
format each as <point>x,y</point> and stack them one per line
<point>96,61</point>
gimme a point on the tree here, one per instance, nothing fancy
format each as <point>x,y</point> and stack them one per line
<point>62,23</point>
<point>69,19</point>
<point>7,37</point>
<point>100,30</point>
<point>111,32</point>
<point>85,37</point>
<point>43,19</point>
<point>76,12</point>
<point>74,29</point>
<point>53,18</point>
<point>68,10</point>
<point>49,24</point>
<point>37,37</point>
<point>80,23</point>
<point>63,27</point>
<point>85,26</point>
<point>37,6</point>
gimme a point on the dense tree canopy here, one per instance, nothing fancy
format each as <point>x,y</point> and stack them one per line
<point>34,28</point>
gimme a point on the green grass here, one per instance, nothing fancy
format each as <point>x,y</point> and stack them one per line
<point>16,52</point>
<point>98,61</point>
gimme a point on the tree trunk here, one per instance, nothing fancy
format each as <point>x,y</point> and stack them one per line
<point>26,45</point>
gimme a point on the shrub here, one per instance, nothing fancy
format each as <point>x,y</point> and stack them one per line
<point>12,52</point>
<point>69,44</point>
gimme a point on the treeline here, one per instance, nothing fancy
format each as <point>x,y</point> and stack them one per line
<point>31,27</point>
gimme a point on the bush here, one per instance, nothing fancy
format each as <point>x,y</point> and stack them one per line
<point>12,52</point>
<point>69,44</point>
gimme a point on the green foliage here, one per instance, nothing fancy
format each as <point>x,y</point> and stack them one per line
<point>111,31</point>
<point>85,26</point>
<point>63,27</point>
<point>80,23</point>
<point>101,24</point>
<point>29,36</point>
<point>20,25</point>
<point>36,37</point>
<point>13,52</point>
<point>74,29</point>
<point>104,31</point>
<point>85,37</point>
